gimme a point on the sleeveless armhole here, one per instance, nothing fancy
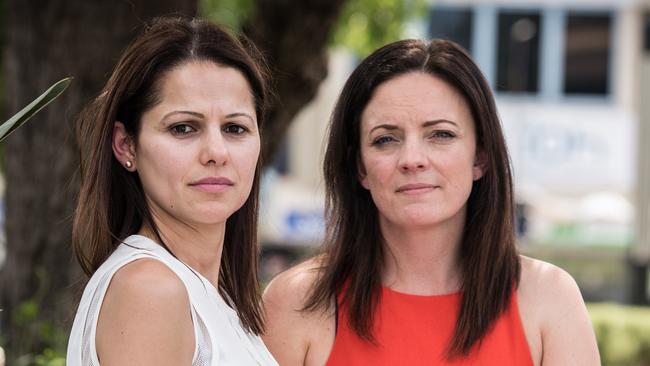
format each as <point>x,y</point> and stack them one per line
<point>202,345</point>
<point>514,304</point>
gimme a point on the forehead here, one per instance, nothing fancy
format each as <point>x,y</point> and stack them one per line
<point>415,96</point>
<point>199,78</point>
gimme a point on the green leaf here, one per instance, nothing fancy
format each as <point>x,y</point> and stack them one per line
<point>32,108</point>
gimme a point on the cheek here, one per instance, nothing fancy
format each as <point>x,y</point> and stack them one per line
<point>459,171</point>
<point>160,167</point>
<point>245,159</point>
<point>377,172</point>
<point>379,180</point>
<point>375,163</point>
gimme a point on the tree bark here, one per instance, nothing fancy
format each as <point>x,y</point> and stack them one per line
<point>46,41</point>
<point>293,36</point>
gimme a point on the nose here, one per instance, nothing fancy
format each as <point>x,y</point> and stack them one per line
<point>412,157</point>
<point>214,149</point>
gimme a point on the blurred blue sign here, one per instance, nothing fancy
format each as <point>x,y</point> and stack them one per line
<point>303,225</point>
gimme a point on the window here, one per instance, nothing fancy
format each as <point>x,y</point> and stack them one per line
<point>518,52</point>
<point>587,54</point>
<point>454,24</point>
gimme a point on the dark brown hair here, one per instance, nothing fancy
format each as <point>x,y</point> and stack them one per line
<point>352,263</point>
<point>111,202</point>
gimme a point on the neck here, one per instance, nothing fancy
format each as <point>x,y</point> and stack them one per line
<point>200,247</point>
<point>423,260</point>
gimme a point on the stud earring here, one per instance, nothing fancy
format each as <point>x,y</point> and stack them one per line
<point>128,164</point>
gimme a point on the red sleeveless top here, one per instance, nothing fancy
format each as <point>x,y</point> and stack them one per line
<point>416,330</point>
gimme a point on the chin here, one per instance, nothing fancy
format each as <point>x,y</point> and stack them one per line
<point>420,222</point>
<point>211,217</point>
<point>424,217</point>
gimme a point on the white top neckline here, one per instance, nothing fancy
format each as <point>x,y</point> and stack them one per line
<point>226,342</point>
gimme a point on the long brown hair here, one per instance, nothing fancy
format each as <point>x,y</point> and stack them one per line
<point>111,202</point>
<point>352,262</point>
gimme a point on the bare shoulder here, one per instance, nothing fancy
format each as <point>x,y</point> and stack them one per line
<point>539,277</point>
<point>293,335</point>
<point>148,275</point>
<point>292,287</point>
<point>547,292</point>
<point>148,284</point>
<point>146,309</point>
<point>552,309</point>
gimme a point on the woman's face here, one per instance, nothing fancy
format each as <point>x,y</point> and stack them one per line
<point>197,149</point>
<point>418,151</point>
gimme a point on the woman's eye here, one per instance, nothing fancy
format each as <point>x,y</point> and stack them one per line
<point>234,129</point>
<point>444,135</point>
<point>383,140</point>
<point>182,129</point>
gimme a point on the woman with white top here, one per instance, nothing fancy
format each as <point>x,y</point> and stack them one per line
<point>166,219</point>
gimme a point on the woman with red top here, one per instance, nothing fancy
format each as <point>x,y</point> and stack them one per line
<point>420,265</point>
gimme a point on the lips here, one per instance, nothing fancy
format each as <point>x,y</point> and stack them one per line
<point>416,188</point>
<point>212,184</point>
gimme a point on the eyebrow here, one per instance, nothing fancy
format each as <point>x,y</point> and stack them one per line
<point>425,124</point>
<point>200,115</point>
<point>240,114</point>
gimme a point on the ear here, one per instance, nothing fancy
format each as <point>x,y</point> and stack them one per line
<point>123,147</point>
<point>480,165</point>
<point>361,174</point>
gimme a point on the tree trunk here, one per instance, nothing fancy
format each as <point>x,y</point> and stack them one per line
<point>46,41</point>
<point>293,35</point>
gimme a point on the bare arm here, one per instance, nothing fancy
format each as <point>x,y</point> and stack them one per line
<point>553,305</point>
<point>568,337</point>
<point>145,318</point>
<point>296,337</point>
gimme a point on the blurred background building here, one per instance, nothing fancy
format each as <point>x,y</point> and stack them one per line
<point>567,79</point>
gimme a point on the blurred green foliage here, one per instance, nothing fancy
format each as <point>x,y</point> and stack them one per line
<point>49,357</point>
<point>364,25</point>
<point>52,339</point>
<point>623,334</point>
<point>230,13</point>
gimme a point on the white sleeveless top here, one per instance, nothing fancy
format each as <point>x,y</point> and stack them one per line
<point>220,338</point>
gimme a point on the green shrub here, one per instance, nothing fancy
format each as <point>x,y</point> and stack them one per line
<point>623,334</point>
